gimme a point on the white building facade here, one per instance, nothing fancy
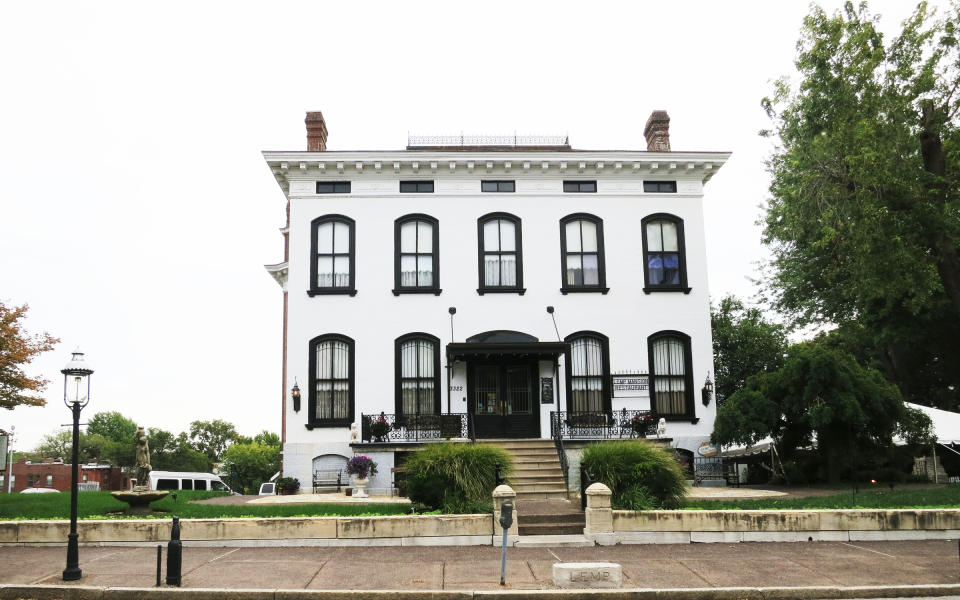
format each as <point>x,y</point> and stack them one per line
<point>473,289</point>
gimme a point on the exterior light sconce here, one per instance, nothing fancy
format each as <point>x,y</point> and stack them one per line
<point>295,394</point>
<point>707,390</point>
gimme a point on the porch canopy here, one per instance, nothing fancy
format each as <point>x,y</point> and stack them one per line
<point>503,344</point>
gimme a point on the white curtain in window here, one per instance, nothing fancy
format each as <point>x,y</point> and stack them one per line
<point>416,260</point>
<point>417,377</point>
<point>586,370</point>
<point>333,380</point>
<point>669,371</point>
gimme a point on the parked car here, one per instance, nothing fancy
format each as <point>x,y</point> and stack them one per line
<point>267,489</point>
<point>183,480</point>
<point>39,491</point>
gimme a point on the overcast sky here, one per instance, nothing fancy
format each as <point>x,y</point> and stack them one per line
<point>136,212</point>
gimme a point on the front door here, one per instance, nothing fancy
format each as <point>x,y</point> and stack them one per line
<point>501,400</point>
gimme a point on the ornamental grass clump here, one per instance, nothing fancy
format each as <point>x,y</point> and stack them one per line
<point>641,476</point>
<point>455,478</point>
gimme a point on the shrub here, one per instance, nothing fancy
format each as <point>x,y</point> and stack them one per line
<point>640,475</point>
<point>456,478</point>
<point>288,485</point>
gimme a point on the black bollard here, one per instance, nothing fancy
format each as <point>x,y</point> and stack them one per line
<point>174,554</point>
<point>159,561</point>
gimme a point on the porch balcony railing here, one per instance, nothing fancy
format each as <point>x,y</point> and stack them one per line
<point>390,428</point>
<point>601,425</point>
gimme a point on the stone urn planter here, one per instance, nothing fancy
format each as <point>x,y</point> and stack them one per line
<point>361,487</point>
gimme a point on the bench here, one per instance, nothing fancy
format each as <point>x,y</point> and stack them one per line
<point>327,478</point>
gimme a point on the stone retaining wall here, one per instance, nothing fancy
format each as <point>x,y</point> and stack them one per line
<point>422,530</point>
<point>685,526</point>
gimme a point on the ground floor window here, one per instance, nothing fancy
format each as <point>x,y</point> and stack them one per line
<point>671,383</point>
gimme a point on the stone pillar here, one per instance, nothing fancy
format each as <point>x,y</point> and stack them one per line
<point>599,515</point>
<point>501,494</point>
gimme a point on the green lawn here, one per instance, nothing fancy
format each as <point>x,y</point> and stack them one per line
<point>99,505</point>
<point>941,497</point>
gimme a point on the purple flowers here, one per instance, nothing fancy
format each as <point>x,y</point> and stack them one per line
<point>361,466</point>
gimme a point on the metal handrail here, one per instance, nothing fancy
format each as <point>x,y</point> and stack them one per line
<point>561,452</point>
<point>585,481</point>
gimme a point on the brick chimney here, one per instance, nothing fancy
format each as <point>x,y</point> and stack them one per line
<point>316,132</point>
<point>657,131</point>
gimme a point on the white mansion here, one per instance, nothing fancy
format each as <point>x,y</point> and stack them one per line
<point>475,288</point>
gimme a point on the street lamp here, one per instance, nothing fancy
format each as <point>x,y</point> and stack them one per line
<point>76,395</point>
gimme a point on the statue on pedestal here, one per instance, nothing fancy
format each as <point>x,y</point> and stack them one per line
<point>143,459</point>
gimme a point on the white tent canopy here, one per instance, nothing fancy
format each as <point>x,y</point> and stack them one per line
<point>946,424</point>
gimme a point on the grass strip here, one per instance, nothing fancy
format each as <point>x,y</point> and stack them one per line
<point>942,497</point>
<point>100,505</point>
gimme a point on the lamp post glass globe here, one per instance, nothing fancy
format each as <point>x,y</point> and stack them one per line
<point>76,395</point>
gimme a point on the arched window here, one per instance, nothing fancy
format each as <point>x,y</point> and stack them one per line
<point>418,374</point>
<point>500,253</point>
<point>671,375</point>
<point>416,255</point>
<point>332,256</point>
<point>331,396</point>
<point>664,255</point>
<point>588,372</point>
<point>581,254</point>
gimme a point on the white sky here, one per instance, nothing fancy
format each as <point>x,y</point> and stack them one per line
<point>136,211</point>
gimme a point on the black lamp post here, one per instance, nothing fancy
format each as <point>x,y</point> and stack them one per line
<point>707,390</point>
<point>76,395</point>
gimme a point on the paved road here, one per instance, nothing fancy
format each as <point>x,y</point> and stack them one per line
<point>453,568</point>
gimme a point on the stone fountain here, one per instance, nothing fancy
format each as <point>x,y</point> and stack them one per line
<point>140,496</point>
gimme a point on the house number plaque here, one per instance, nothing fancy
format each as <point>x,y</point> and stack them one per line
<point>546,390</point>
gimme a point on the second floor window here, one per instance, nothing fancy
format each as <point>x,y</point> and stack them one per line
<point>332,255</point>
<point>664,265</point>
<point>418,374</point>
<point>498,186</point>
<point>416,187</point>
<point>501,257</point>
<point>417,260</point>
<point>581,241</point>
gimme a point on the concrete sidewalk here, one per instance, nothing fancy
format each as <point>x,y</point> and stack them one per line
<point>478,568</point>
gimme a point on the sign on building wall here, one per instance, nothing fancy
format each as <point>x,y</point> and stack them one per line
<point>630,385</point>
<point>546,390</point>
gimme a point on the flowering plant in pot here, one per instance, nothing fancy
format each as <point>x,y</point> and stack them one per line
<point>361,467</point>
<point>640,423</point>
<point>288,485</point>
<point>379,428</point>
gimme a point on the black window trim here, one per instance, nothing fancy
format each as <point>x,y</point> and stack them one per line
<point>334,184</point>
<point>351,289</point>
<point>658,183</point>
<point>417,183</point>
<point>601,257</point>
<point>512,182</point>
<point>579,183</point>
<point>691,412</point>
<point>568,367</point>
<point>433,289</point>
<point>681,250</point>
<point>398,370</point>
<point>518,229</point>
<point>312,420</point>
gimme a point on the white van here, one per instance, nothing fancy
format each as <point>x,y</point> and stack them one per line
<point>182,480</point>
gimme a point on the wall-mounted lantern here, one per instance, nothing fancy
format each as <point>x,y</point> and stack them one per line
<point>295,394</point>
<point>707,390</point>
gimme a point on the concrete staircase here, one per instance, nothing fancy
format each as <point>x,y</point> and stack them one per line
<point>536,469</point>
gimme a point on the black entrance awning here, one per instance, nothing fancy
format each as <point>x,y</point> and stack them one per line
<point>520,350</point>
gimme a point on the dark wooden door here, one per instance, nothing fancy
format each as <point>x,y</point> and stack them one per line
<point>502,400</point>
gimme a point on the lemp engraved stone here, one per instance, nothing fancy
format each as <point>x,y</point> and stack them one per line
<point>587,575</point>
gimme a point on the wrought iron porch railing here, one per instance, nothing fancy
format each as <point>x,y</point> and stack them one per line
<point>386,428</point>
<point>561,452</point>
<point>603,425</point>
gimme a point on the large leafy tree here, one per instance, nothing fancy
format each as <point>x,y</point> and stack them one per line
<point>744,343</point>
<point>112,426</point>
<point>822,396</point>
<point>18,348</point>
<point>247,465</point>
<point>863,218</point>
<point>169,452</point>
<point>213,437</point>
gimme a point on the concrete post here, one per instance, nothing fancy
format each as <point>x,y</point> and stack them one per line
<point>599,515</point>
<point>501,494</point>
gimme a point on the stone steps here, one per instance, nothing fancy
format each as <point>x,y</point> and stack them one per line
<point>536,469</point>
<point>552,541</point>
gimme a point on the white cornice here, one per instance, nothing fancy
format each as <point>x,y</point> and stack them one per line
<point>279,273</point>
<point>419,163</point>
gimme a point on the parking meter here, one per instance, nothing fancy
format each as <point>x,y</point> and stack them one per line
<point>506,520</point>
<point>506,514</point>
